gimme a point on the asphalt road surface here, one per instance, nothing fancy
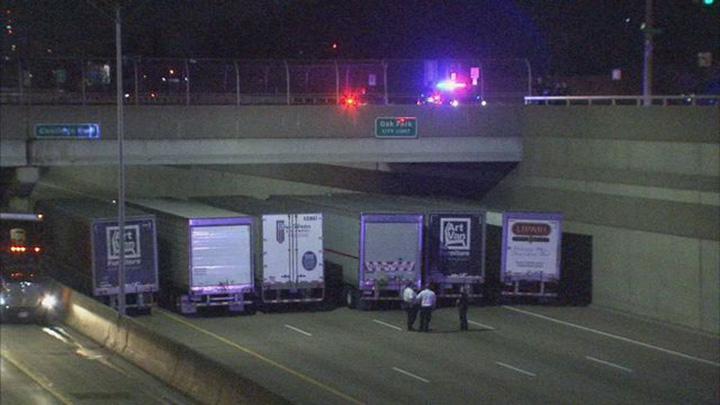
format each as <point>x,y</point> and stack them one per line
<point>55,365</point>
<point>519,355</point>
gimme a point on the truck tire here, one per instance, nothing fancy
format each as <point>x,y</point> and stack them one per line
<point>349,297</point>
<point>360,304</point>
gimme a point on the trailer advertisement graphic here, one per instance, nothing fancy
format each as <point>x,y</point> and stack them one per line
<point>455,234</point>
<point>132,242</point>
<point>140,255</point>
<point>456,247</point>
<point>531,246</point>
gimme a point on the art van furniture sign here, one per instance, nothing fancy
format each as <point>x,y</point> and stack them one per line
<point>531,246</point>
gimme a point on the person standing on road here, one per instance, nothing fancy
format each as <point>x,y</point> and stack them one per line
<point>410,304</point>
<point>427,300</point>
<point>462,304</point>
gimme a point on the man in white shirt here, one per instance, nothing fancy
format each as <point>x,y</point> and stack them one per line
<point>427,300</point>
<point>410,304</point>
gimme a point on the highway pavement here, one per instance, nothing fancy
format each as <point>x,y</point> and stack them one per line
<point>518,354</point>
<point>55,365</point>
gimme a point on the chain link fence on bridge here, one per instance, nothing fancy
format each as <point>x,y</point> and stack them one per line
<point>242,82</point>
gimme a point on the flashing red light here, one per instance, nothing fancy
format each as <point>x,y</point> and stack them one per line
<point>334,45</point>
<point>37,249</point>
<point>349,101</point>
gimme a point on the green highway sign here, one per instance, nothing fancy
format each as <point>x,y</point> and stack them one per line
<point>396,127</point>
<point>67,131</point>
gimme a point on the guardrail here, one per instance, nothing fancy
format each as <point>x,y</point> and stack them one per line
<point>232,81</point>
<point>665,101</point>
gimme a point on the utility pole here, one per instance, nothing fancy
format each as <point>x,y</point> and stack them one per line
<point>648,53</point>
<point>121,162</point>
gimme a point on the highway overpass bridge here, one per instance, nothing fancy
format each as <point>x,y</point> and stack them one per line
<point>642,182</point>
<point>166,135</point>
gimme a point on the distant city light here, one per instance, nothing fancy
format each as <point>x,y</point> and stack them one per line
<point>454,103</point>
<point>483,103</point>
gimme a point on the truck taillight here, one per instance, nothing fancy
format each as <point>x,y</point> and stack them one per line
<point>37,249</point>
<point>18,249</point>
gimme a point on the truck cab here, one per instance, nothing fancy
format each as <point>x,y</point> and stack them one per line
<point>25,295</point>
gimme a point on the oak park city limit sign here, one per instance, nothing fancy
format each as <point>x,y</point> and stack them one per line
<point>396,127</point>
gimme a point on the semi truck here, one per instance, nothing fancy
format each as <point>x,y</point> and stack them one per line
<point>377,247</point>
<point>25,293</point>
<point>206,255</point>
<point>289,243</point>
<point>83,250</point>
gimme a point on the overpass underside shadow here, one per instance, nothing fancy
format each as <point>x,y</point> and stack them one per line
<point>455,180</point>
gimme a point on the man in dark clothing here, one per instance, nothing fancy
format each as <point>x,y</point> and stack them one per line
<point>410,305</point>
<point>462,304</point>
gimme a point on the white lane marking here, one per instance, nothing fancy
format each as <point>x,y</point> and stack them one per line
<point>407,373</point>
<point>519,370</point>
<point>298,330</point>
<point>56,335</point>
<point>624,339</point>
<point>607,363</point>
<point>481,325</point>
<point>386,324</point>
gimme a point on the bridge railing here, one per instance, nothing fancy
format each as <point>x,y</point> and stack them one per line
<point>240,82</point>
<point>672,100</point>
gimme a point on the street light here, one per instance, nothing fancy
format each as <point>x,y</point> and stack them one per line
<point>121,153</point>
<point>121,162</point>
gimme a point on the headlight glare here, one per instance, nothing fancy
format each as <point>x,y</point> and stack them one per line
<point>49,301</point>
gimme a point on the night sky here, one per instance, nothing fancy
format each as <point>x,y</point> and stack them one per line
<point>569,37</point>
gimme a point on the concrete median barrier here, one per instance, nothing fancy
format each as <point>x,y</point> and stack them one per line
<point>175,363</point>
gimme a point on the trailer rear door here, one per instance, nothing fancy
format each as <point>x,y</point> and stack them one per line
<point>309,248</point>
<point>221,255</point>
<point>292,250</point>
<point>391,247</point>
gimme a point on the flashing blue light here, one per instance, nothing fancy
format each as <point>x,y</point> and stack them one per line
<point>450,85</point>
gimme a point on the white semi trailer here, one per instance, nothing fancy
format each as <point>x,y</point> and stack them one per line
<point>378,248</point>
<point>290,242</point>
<point>205,255</point>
